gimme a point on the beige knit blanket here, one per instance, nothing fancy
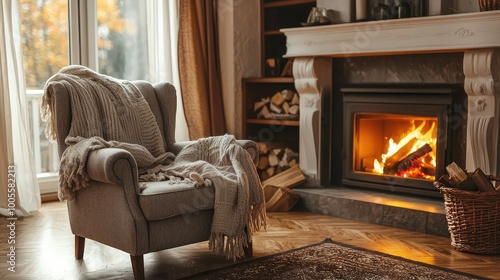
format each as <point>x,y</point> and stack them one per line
<point>220,161</point>
<point>106,112</point>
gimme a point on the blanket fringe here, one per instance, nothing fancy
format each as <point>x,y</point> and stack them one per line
<point>231,247</point>
<point>259,217</point>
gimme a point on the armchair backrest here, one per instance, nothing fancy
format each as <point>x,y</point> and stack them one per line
<point>161,98</point>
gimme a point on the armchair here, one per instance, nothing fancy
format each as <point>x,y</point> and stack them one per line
<point>115,211</point>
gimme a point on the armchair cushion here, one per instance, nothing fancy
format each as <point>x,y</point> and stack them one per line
<point>182,197</point>
<point>221,162</point>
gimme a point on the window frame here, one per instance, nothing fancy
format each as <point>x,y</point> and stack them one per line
<point>82,33</point>
<point>83,50</point>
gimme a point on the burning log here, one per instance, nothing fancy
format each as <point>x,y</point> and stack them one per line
<point>399,154</point>
<point>428,168</point>
<point>410,161</point>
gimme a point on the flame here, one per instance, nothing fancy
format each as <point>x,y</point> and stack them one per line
<point>419,138</point>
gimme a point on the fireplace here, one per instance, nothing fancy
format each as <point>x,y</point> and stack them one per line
<point>396,138</point>
<point>316,51</point>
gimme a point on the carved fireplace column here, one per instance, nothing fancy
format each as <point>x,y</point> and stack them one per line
<point>313,76</point>
<point>482,84</point>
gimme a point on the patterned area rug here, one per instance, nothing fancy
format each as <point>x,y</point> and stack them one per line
<point>332,260</point>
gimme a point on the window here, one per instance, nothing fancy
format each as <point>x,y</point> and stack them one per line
<point>122,39</point>
<point>126,39</point>
<point>44,29</point>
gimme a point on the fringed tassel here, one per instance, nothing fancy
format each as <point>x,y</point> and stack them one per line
<point>231,247</point>
<point>258,217</point>
<point>216,243</point>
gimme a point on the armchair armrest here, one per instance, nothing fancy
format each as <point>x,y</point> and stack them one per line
<point>176,147</point>
<point>115,182</point>
<point>109,165</point>
<point>250,146</point>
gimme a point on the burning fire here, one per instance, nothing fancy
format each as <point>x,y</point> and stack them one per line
<point>412,157</point>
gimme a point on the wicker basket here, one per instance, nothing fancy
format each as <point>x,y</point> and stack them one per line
<point>473,220</point>
<point>489,5</point>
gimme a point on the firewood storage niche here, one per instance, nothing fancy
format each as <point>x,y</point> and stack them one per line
<point>395,139</point>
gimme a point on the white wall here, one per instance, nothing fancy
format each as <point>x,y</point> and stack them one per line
<point>239,35</point>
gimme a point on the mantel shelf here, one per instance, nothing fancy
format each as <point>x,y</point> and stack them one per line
<point>413,35</point>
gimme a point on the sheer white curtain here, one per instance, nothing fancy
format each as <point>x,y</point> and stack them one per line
<point>163,26</point>
<point>16,148</point>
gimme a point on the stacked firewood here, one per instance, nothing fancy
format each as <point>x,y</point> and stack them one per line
<point>278,189</point>
<point>284,104</point>
<point>468,181</point>
<point>274,160</point>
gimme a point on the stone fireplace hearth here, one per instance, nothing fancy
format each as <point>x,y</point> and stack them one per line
<point>320,55</point>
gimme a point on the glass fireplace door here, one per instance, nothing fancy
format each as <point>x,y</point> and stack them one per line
<point>395,145</point>
<point>395,139</point>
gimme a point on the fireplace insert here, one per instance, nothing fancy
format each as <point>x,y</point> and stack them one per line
<point>395,139</point>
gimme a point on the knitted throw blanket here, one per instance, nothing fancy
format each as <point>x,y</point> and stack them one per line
<point>106,112</point>
<point>220,161</point>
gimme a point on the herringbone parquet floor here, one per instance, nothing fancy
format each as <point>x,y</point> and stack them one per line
<point>44,248</point>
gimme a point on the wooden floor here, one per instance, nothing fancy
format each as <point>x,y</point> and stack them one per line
<point>44,248</point>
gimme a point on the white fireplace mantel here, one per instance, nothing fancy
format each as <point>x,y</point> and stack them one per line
<point>475,34</point>
<point>413,35</point>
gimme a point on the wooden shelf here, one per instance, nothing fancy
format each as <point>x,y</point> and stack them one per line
<point>273,33</point>
<point>275,15</point>
<point>273,122</point>
<point>287,3</point>
<point>273,80</point>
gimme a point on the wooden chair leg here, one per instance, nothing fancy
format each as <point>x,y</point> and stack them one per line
<point>79,247</point>
<point>138,266</point>
<point>248,250</point>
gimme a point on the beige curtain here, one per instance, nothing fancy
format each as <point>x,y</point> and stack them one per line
<point>19,192</point>
<point>163,20</point>
<point>199,68</point>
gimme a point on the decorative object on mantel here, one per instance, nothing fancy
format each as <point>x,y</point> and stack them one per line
<point>343,10</point>
<point>472,206</point>
<point>440,7</point>
<point>489,5</point>
<point>395,9</point>
<point>360,10</point>
<point>319,16</point>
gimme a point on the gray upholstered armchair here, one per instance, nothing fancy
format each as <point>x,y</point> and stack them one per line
<point>114,211</point>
